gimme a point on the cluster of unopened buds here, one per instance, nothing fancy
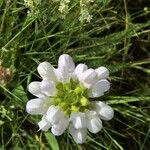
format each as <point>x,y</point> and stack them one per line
<point>66,98</point>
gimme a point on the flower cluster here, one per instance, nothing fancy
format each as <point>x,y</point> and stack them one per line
<point>6,75</point>
<point>32,4</point>
<point>84,10</point>
<point>64,8</point>
<point>84,6</point>
<point>65,98</point>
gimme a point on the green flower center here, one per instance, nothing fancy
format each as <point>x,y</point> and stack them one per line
<point>71,97</point>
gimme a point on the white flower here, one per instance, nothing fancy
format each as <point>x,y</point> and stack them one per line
<point>79,135</point>
<point>54,115</point>
<point>48,88</point>
<point>62,74</point>
<point>63,98</point>
<point>102,73</point>
<point>103,110</point>
<point>36,106</point>
<point>99,88</point>
<point>66,61</point>
<point>94,124</point>
<point>44,124</point>
<point>46,71</point>
<point>60,127</point>
<point>80,68</point>
<point>78,119</point>
<point>88,78</point>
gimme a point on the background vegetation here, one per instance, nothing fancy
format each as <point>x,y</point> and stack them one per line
<point>117,37</point>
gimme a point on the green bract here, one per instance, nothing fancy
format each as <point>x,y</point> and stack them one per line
<point>71,97</point>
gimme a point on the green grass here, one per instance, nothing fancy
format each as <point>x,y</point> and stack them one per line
<point>117,37</point>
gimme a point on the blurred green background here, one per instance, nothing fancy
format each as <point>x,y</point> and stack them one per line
<point>118,37</point>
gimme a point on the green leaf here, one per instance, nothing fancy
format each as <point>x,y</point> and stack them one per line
<point>20,96</point>
<point>52,141</point>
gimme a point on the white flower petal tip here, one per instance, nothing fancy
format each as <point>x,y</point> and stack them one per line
<point>78,120</point>
<point>44,125</point>
<point>66,61</point>
<point>79,135</point>
<point>94,124</point>
<point>59,129</point>
<point>99,88</point>
<point>48,88</point>
<point>46,71</point>
<point>54,115</point>
<point>36,106</point>
<point>35,89</point>
<point>88,78</point>
<point>102,73</point>
<point>80,68</point>
<point>104,111</point>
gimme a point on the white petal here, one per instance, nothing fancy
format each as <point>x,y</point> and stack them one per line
<point>44,124</point>
<point>80,68</point>
<point>48,87</point>
<point>66,61</point>
<point>54,115</point>
<point>62,75</point>
<point>105,111</point>
<point>35,89</point>
<point>79,135</point>
<point>94,124</point>
<point>46,71</point>
<point>99,88</point>
<point>36,106</point>
<point>102,73</point>
<point>88,78</point>
<point>58,129</point>
<point>78,120</point>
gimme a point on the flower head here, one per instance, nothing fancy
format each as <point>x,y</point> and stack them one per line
<point>6,75</point>
<point>64,98</point>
